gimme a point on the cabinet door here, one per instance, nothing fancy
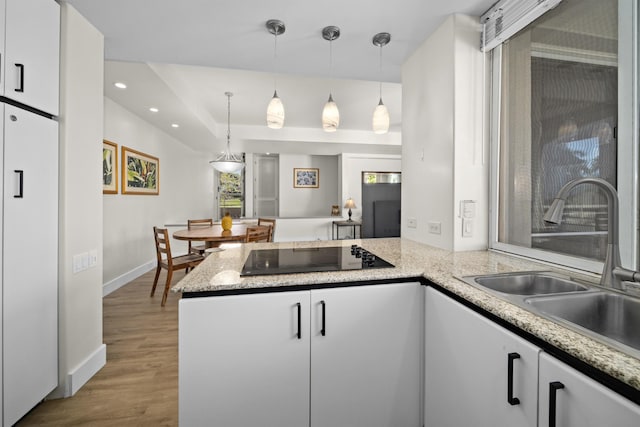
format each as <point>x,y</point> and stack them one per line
<point>366,356</point>
<point>32,49</point>
<point>580,401</point>
<point>467,360</point>
<point>30,265</point>
<point>244,360</point>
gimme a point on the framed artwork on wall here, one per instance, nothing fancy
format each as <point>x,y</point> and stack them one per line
<point>306,178</point>
<point>109,167</point>
<point>140,173</point>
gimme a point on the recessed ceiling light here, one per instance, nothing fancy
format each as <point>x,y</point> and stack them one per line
<point>120,85</point>
<point>175,125</point>
<point>153,109</point>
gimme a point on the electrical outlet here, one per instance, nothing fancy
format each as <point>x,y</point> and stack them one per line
<point>412,223</point>
<point>435,227</point>
<point>76,265</point>
<point>467,227</point>
<point>93,258</point>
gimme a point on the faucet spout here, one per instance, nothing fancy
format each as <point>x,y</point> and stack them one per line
<point>613,273</point>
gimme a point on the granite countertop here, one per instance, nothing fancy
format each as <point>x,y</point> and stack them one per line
<point>220,271</point>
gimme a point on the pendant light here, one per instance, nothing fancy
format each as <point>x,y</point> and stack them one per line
<point>275,110</point>
<point>330,113</point>
<point>381,114</point>
<point>228,162</point>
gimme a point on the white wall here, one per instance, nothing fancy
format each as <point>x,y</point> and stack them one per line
<point>442,150</point>
<point>301,202</point>
<point>81,351</point>
<point>186,191</point>
<point>351,167</point>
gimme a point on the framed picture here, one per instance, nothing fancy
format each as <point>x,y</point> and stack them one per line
<point>109,167</point>
<point>140,173</point>
<point>306,178</point>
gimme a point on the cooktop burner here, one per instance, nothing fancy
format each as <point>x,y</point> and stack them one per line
<point>309,260</point>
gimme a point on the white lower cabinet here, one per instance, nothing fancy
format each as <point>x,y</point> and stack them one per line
<point>330,357</point>
<point>467,378</point>
<point>467,363</point>
<point>569,398</point>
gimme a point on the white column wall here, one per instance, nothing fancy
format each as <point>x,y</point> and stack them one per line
<point>81,351</point>
<point>442,145</point>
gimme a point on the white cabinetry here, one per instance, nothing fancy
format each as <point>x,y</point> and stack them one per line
<point>365,369</point>
<point>30,262</point>
<point>467,363</point>
<point>241,361</point>
<point>30,53</point>
<point>568,398</point>
<point>265,359</point>
<point>467,380</point>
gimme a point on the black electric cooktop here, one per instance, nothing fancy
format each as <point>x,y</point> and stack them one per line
<point>310,260</point>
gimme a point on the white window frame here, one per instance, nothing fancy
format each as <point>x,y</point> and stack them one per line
<point>628,153</point>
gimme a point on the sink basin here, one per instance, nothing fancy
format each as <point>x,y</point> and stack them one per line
<point>526,283</point>
<point>610,315</point>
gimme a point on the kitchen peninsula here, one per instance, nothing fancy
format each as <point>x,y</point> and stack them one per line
<point>218,278</point>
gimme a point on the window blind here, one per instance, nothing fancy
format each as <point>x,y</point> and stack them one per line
<point>507,17</point>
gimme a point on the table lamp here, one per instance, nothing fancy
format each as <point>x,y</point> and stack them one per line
<point>350,204</point>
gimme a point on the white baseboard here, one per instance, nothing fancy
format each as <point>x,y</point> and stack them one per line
<point>122,280</point>
<point>81,374</point>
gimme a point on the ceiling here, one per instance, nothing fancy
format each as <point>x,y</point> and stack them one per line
<point>182,56</point>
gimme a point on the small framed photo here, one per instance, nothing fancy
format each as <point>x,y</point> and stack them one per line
<point>140,173</point>
<point>306,178</point>
<point>109,167</point>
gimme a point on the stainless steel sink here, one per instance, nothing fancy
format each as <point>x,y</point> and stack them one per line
<point>526,283</point>
<point>611,315</point>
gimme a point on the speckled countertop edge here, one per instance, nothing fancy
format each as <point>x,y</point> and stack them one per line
<point>220,271</point>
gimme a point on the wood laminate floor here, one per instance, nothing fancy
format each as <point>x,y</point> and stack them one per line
<point>139,384</point>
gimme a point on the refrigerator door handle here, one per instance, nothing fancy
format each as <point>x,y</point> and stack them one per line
<point>20,194</point>
<point>20,87</point>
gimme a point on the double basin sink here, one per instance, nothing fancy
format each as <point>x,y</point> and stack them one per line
<point>599,313</point>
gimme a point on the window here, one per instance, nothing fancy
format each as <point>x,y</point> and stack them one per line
<point>230,195</point>
<point>557,93</point>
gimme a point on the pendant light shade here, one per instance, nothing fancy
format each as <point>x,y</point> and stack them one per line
<point>330,113</point>
<point>381,118</point>
<point>228,162</point>
<point>275,110</point>
<point>330,116</point>
<point>381,114</point>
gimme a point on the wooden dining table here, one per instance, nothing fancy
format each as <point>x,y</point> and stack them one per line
<point>213,236</point>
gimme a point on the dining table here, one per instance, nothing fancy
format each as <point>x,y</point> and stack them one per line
<point>213,236</point>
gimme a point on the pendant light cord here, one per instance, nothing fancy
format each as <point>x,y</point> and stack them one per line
<point>380,72</point>
<point>228,122</point>
<point>275,61</point>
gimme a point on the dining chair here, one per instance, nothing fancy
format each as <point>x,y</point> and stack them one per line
<point>166,261</point>
<point>271,223</point>
<point>257,234</point>
<point>198,223</point>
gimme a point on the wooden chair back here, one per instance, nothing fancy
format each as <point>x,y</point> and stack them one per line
<point>168,262</point>
<point>270,223</point>
<point>197,223</point>
<point>257,234</point>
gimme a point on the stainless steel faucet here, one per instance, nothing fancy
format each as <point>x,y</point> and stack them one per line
<point>613,274</point>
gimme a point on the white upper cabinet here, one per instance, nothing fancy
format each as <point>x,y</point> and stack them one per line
<point>31,52</point>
